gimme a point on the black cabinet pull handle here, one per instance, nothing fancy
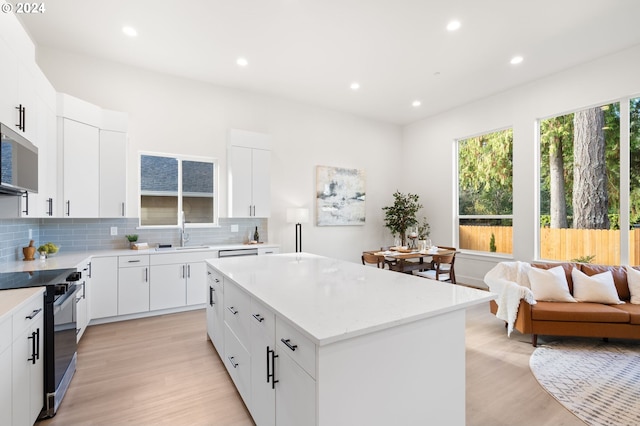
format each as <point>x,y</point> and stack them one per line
<point>26,203</point>
<point>33,314</point>
<point>258,317</point>
<point>287,342</point>
<point>146,275</point>
<point>68,207</point>
<point>271,360</point>
<point>211,290</point>
<point>123,209</point>
<point>232,310</point>
<point>37,344</point>
<point>50,207</point>
<point>133,261</point>
<point>232,361</point>
<point>33,338</point>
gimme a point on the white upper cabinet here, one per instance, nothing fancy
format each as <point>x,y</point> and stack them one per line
<point>93,143</point>
<point>249,174</point>
<point>8,86</point>
<point>81,168</point>
<point>113,173</point>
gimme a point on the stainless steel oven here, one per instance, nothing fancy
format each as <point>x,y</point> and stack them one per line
<point>60,337</point>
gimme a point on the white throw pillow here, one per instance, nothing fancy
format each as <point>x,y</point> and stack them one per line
<point>550,285</point>
<point>633,279</point>
<point>598,288</point>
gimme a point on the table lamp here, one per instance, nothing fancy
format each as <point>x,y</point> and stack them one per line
<point>298,216</point>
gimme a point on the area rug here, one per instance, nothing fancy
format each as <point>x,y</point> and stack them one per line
<point>597,381</point>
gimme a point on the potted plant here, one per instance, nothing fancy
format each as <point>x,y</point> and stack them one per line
<point>402,214</point>
<point>423,233</point>
<point>132,239</point>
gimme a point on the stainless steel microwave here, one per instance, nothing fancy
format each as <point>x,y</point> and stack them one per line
<point>18,163</point>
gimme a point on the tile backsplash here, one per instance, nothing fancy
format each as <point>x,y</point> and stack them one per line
<point>95,234</point>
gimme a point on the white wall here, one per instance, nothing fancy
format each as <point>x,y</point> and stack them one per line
<point>432,141</point>
<point>175,115</point>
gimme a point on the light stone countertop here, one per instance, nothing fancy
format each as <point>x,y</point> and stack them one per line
<point>11,300</point>
<point>71,259</point>
<point>331,300</point>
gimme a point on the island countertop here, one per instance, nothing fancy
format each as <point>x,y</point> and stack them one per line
<point>331,300</point>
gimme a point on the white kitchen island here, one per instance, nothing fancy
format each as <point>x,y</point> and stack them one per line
<point>310,340</point>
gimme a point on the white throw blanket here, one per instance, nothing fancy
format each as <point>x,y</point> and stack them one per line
<point>509,280</point>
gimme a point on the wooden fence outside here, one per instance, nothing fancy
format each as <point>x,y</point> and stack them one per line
<point>557,244</point>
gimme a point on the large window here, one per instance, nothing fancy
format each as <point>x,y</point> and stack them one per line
<point>170,185</point>
<point>634,181</point>
<point>485,192</point>
<point>580,186</point>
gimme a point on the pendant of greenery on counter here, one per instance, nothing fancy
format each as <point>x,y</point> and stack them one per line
<point>402,214</point>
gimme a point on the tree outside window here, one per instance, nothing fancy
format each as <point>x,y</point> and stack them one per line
<point>485,192</point>
<point>580,186</point>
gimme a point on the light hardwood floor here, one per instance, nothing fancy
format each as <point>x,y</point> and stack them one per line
<point>163,370</point>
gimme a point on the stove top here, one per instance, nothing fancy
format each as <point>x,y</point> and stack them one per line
<point>11,280</point>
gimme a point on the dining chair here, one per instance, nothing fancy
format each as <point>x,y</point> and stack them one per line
<point>371,258</point>
<point>442,268</point>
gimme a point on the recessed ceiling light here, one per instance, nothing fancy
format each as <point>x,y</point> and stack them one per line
<point>355,85</point>
<point>516,60</point>
<point>453,25</point>
<point>242,62</point>
<point>416,104</point>
<point>130,31</point>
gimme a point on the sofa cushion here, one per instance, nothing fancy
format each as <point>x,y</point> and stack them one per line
<point>567,270</point>
<point>619,277</point>
<point>578,312</point>
<point>550,285</point>
<point>633,311</point>
<point>633,279</point>
<point>598,288</point>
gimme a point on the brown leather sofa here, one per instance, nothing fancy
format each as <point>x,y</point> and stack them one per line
<point>580,319</point>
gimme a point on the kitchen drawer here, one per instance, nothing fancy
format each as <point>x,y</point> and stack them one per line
<point>238,363</point>
<point>263,320</point>
<point>297,346</point>
<point>215,278</point>
<point>237,311</point>
<point>27,314</point>
<point>5,333</point>
<point>138,260</point>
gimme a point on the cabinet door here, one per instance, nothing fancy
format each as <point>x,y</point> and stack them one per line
<point>168,286</point>
<point>261,182</point>
<point>295,394</point>
<point>81,311</point>
<point>28,99</point>
<point>196,283</point>
<point>104,287</point>
<point>240,181</point>
<point>113,173</point>
<point>81,168</point>
<point>263,394</point>
<point>28,375</point>
<point>133,290</point>
<point>6,399</point>
<point>8,86</point>
<point>215,316</point>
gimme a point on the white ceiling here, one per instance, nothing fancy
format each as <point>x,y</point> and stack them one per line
<point>311,50</point>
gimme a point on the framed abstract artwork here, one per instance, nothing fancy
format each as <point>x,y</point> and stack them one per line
<point>340,196</point>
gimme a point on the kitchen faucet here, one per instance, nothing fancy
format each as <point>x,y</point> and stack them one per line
<point>184,237</point>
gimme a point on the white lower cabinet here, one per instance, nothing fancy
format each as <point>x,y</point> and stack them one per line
<point>133,284</point>
<point>215,314</point>
<point>178,279</point>
<point>279,385</point>
<point>27,357</point>
<point>6,356</point>
<point>104,287</point>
